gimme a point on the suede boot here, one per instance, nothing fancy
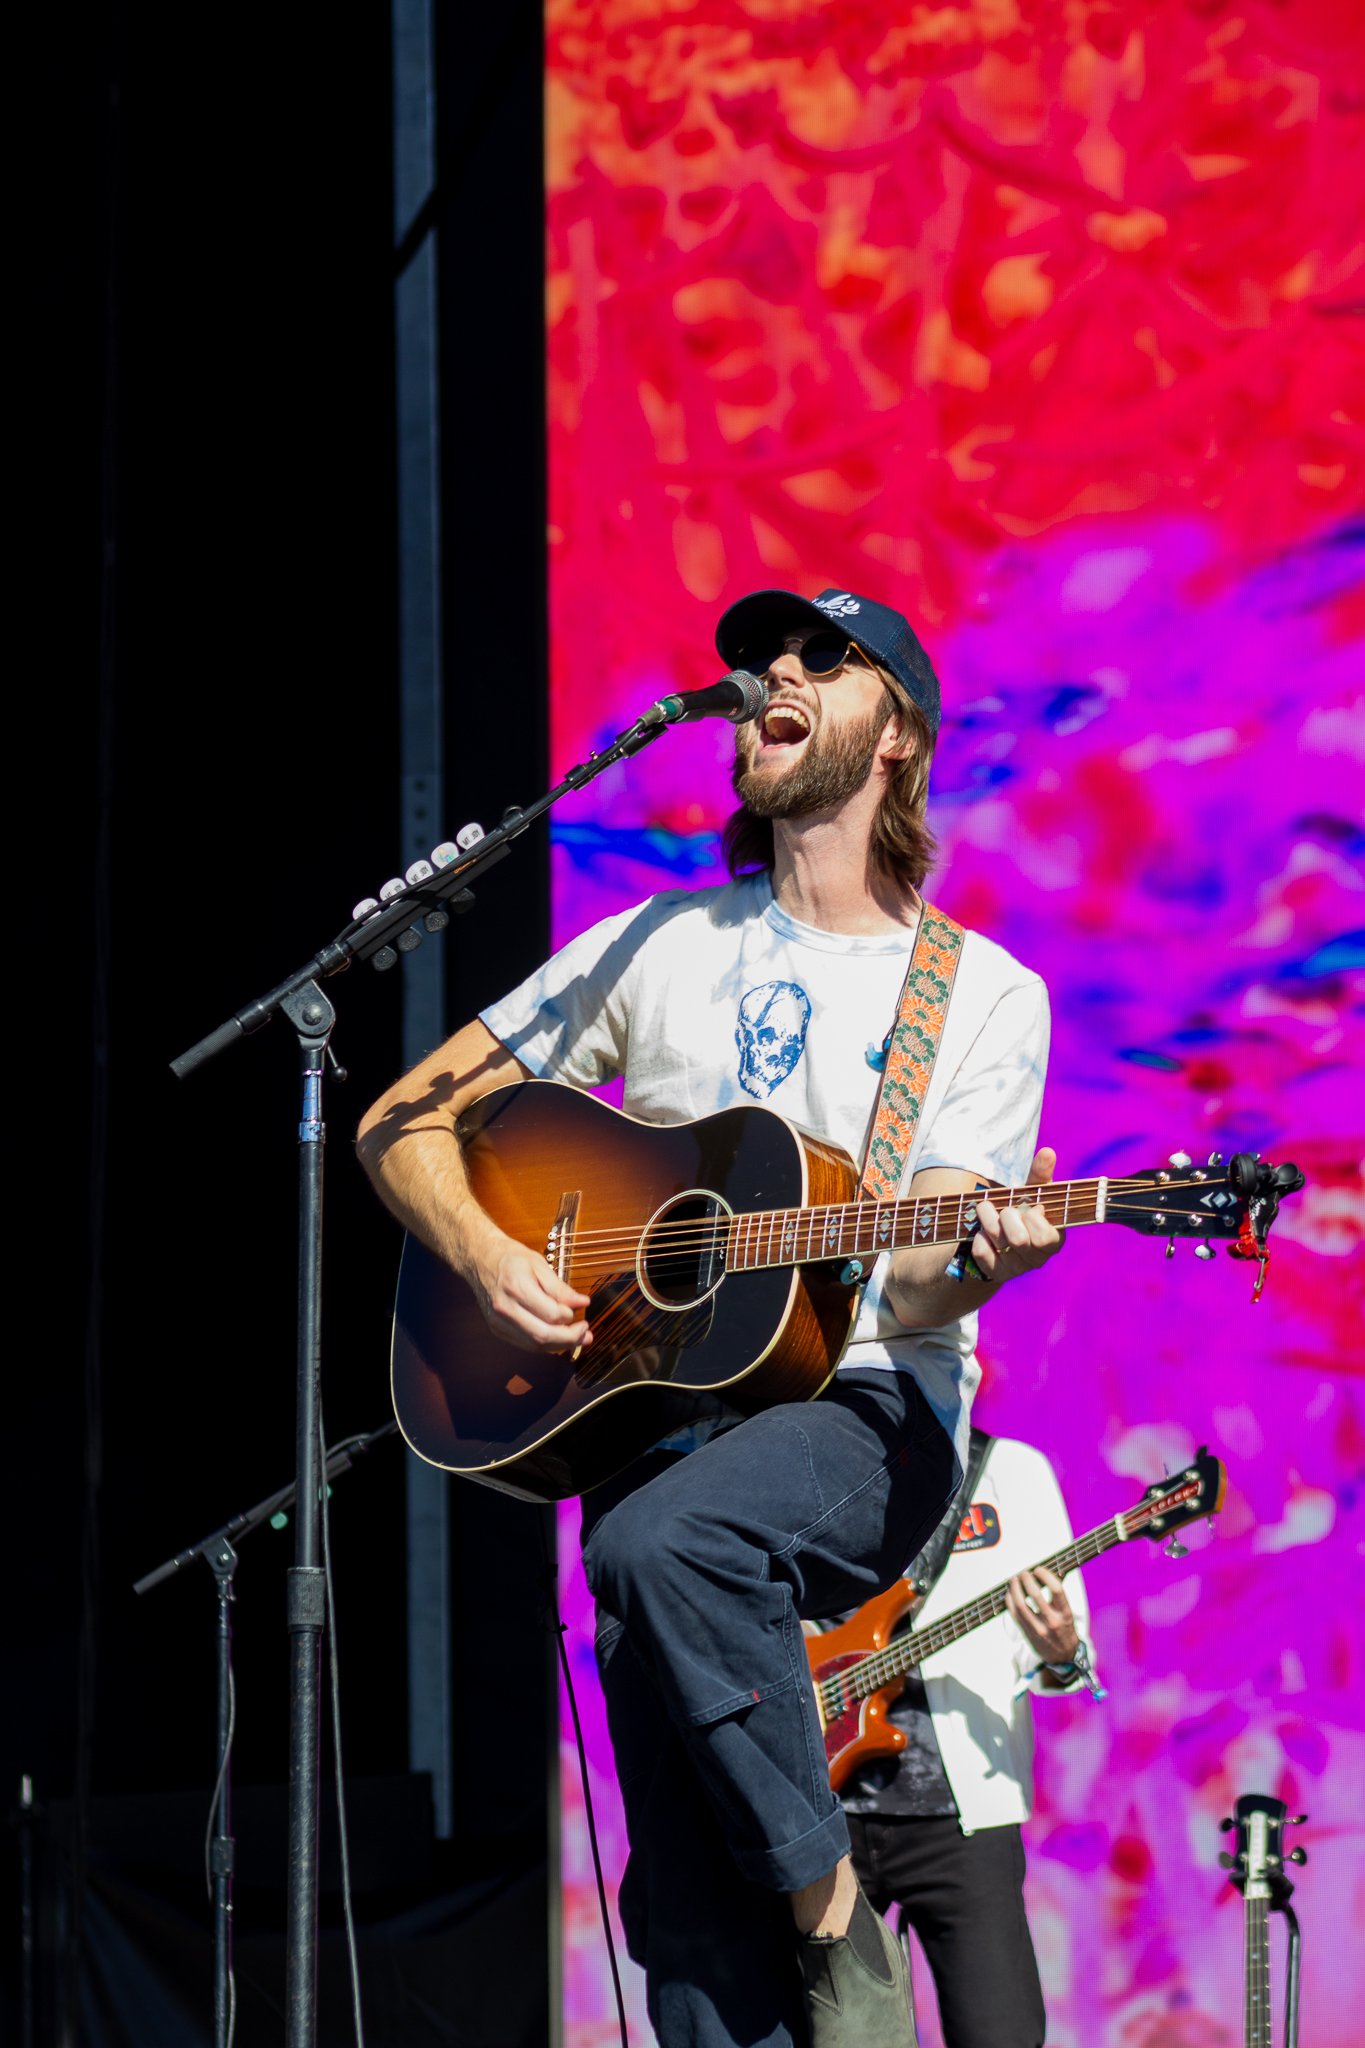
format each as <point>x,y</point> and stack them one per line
<point>857,1987</point>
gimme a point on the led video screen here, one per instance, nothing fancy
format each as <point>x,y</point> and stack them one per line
<point>1045,326</point>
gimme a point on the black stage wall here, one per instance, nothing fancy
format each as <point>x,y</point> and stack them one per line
<point>207,744</point>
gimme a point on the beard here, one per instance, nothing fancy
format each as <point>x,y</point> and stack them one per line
<point>834,765</point>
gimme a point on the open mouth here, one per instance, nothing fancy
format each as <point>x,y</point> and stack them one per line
<point>784,725</point>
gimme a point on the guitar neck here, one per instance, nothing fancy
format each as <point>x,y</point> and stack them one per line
<point>925,1642</point>
<point>1256,2027</point>
<point>906,1652</point>
<point>863,1230</point>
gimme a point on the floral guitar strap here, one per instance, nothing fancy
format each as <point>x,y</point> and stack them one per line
<point>910,1053</point>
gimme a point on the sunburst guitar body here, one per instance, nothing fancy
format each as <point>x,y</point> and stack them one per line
<point>721,1259</point>
<point>638,1216</point>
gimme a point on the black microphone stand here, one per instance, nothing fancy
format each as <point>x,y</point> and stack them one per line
<point>218,1551</point>
<point>379,935</point>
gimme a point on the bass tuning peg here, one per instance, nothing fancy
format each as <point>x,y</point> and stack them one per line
<point>1175,1549</point>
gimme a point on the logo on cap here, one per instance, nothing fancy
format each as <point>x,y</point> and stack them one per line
<point>839,605</point>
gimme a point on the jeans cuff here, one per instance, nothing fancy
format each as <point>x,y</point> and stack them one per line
<point>800,1862</point>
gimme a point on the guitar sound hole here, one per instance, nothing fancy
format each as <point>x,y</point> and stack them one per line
<point>682,1250</point>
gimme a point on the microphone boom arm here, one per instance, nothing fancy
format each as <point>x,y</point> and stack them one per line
<point>423,906</point>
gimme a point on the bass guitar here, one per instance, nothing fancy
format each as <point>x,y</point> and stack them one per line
<point>1257,1868</point>
<point>860,1667</point>
<point>721,1257</point>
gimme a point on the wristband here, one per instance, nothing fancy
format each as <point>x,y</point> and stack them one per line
<point>1079,1667</point>
<point>962,1266</point>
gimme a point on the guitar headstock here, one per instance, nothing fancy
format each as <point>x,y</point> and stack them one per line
<point>1237,1198</point>
<point>1182,1497</point>
<point>1257,1865</point>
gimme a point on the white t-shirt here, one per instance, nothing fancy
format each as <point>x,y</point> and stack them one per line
<point>705,999</point>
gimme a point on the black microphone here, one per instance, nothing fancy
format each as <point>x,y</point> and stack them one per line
<point>738,697</point>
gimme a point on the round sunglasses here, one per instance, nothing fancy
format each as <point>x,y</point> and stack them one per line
<point>823,652</point>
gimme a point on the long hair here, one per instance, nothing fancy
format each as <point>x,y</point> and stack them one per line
<point>902,848</point>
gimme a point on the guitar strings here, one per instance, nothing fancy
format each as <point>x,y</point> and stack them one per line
<point>701,1225</point>
<point>694,1234</point>
<point>1048,1198</point>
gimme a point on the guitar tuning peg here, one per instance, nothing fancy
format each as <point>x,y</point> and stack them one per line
<point>1206,1251</point>
<point>1179,1160</point>
<point>1296,1820</point>
<point>1215,1159</point>
<point>1175,1549</point>
<point>1170,1247</point>
<point>1227,1825</point>
<point>1298,1856</point>
<point>1228,1862</point>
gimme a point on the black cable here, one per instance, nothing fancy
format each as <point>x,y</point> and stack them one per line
<point>552,1601</point>
<point>214,1804</point>
<point>334,1672</point>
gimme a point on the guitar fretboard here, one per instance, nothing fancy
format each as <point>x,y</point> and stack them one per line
<point>863,1230</point>
<point>1256,2028</point>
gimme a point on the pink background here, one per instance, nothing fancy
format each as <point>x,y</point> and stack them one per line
<point>1043,324</point>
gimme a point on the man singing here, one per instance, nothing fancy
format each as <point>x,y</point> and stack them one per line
<point>783,988</point>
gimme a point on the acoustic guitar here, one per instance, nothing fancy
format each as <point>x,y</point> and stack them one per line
<point>860,1667</point>
<point>722,1258</point>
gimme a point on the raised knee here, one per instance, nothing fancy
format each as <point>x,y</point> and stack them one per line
<point>634,1546</point>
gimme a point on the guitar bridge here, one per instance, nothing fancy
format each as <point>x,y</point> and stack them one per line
<point>559,1243</point>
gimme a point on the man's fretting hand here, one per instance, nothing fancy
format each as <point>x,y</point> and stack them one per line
<point>1037,1601</point>
<point>1016,1240</point>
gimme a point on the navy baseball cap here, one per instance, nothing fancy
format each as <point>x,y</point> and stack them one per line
<point>755,620</point>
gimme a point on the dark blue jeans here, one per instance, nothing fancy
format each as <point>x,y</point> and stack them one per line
<point>703,1568</point>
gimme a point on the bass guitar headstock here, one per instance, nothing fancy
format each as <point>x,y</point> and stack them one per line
<point>1257,1865</point>
<point>1182,1497</point>
<point>1235,1199</point>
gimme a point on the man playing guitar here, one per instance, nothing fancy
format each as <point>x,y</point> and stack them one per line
<point>783,989</point>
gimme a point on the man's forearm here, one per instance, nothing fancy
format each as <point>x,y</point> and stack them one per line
<point>419,1173</point>
<point>923,1297</point>
<point>409,1145</point>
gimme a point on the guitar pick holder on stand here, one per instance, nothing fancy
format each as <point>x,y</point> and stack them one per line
<point>394,923</point>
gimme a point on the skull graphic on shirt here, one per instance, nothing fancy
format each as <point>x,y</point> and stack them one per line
<point>771,1034</point>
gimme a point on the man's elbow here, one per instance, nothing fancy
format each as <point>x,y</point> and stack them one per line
<point>375,1134</point>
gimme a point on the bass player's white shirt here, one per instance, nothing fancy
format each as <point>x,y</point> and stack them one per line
<point>979,1688</point>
